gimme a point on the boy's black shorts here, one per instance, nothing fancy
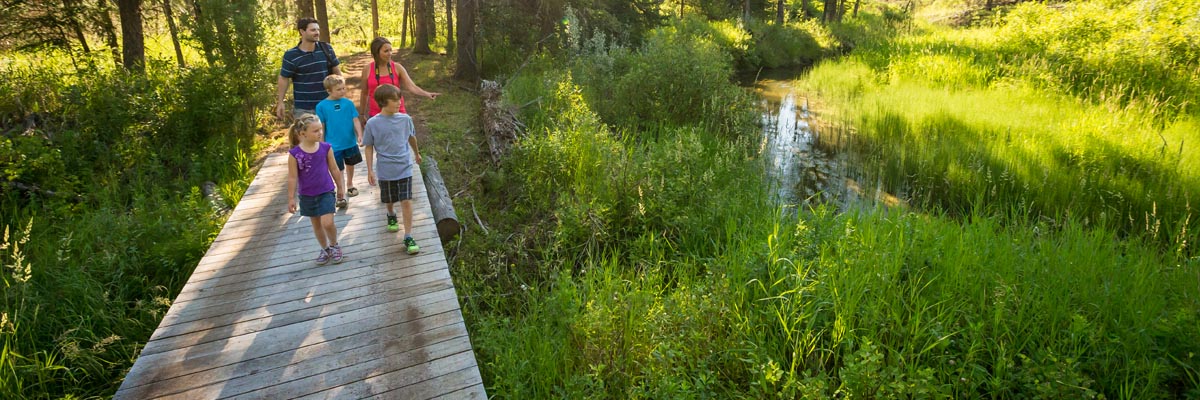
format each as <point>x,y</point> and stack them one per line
<point>395,191</point>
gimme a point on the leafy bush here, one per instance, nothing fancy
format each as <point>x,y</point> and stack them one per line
<point>795,44</point>
<point>108,155</point>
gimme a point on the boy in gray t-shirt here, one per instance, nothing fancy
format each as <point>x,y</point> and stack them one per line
<point>392,135</point>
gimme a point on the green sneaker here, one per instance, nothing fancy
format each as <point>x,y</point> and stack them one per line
<point>393,225</point>
<point>412,245</point>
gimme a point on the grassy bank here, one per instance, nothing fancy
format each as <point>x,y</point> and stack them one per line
<point>1029,116</point>
<point>103,208</point>
<point>633,260</point>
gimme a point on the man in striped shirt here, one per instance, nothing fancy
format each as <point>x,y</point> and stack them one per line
<point>306,66</point>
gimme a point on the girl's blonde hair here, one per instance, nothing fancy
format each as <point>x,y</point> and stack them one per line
<point>301,125</point>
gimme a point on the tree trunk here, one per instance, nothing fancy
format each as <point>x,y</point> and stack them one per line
<point>132,42</point>
<point>841,10</point>
<point>423,26</point>
<point>830,11</point>
<point>323,19</point>
<point>174,32</point>
<point>404,23</point>
<point>467,68</point>
<point>805,8</point>
<point>779,13</point>
<point>440,203</point>
<point>856,2</point>
<point>198,22</point>
<point>305,7</point>
<point>110,32</point>
<point>986,5</point>
<point>72,10</point>
<point>449,27</point>
<point>746,11</point>
<point>374,19</point>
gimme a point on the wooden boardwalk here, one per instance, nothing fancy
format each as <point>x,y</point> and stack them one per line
<point>259,319</point>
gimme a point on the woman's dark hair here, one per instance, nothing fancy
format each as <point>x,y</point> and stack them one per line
<point>376,45</point>
<point>302,23</point>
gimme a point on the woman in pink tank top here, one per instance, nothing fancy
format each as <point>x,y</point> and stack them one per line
<point>383,70</point>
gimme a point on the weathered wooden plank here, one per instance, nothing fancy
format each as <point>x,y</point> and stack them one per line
<point>258,318</point>
<point>190,335</point>
<point>356,245</point>
<point>312,359</point>
<point>440,386</point>
<point>471,392</point>
<point>413,356</point>
<point>218,318</point>
<point>385,377</point>
<point>237,349</point>
<point>298,268</point>
<point>343,279</point>
<point>299,247</point>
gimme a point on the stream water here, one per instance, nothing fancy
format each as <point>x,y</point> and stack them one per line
<point>808,166</point>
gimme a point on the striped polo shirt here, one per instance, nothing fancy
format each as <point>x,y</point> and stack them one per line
<point>307,70</point>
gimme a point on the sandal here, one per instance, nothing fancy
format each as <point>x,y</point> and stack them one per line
<point>353,191</point>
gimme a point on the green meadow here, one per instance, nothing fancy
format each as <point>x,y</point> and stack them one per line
<point>1047,250</point>
<point>627,246</point>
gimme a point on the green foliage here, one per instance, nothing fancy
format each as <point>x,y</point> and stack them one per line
<point>626,87</point>
<point>95,154</point>
<point>956,120</point>
<point>660,272</point>
<point>1122,52</point>
<point>794,44</point>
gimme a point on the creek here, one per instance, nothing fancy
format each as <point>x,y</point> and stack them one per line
<point>806,155</point>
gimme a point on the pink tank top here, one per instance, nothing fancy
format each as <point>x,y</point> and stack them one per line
<point>373,82</point>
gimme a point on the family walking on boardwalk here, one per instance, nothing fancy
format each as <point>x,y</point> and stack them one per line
<point>329,128</point>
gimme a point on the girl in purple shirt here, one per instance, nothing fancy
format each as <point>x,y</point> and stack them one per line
<point>308,167</point>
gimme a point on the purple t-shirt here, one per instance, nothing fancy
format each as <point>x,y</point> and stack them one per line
<point>314,170</point>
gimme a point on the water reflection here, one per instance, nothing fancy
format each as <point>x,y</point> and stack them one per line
<point>809,166</point>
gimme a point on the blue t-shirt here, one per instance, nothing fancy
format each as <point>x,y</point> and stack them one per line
<point>389,135</point>
<point>338,117</point>
<point>308,70</point>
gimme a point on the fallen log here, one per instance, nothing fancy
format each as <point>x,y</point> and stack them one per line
<point>500,124</point>
<point>439,201</point>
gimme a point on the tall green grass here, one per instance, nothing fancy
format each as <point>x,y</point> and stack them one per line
<point>983,118</point>
<point>103,209</point>
<point>658,269</point>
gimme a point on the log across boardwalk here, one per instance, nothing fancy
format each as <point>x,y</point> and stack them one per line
<point>259,319</point>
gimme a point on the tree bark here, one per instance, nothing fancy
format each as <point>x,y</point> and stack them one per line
<point>174,32</point>
<point>110,32</point>
<point>830,11</point>
<point>198,22</point>
<point>305,8</point>
<point>440,203</point>
<point>72,10</point>
<point>404,23</point>
<point>779,13</point>
<point>841,10</point>
<point>467,67</point>
<point>449,27</point>
<point>856,2</point>
<point>132,42</point>
<point>423,26</point>
<point>323,19</point>
<point>374,19</point>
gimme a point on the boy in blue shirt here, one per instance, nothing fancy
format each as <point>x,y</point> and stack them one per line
<point>342,130</point>
<point>390,136</point>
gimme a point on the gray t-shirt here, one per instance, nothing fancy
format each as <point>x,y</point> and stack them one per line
<point>389,135</point>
